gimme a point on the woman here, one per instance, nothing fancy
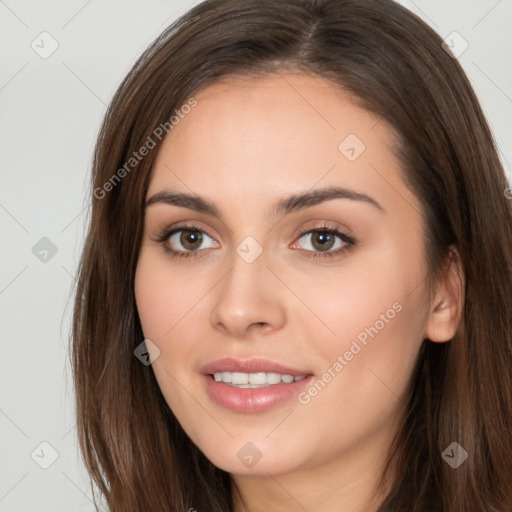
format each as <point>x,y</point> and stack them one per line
<point>295,292</point>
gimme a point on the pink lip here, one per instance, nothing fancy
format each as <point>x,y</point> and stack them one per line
<point>230,364</point>
<point>252,400</point>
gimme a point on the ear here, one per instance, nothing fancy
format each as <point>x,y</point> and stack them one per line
<point>447,305</point>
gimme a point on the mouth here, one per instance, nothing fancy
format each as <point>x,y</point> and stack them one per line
<point>254,385</point>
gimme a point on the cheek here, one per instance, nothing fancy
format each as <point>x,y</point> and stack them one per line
<point>163,298</point>
<point>153,299</point>
<point>370,300</point>
<point>169,302</point>
<point>365,378</point>
<point>376,315</point>
<point>164,305</point>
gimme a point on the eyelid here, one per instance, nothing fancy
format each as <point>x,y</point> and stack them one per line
<point>322,224</point>
<point>192,225</point>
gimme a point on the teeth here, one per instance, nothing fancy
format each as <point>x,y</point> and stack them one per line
<point>257,378</point>
<point>273,378</point>
<point>254,380</point>
<point>239,378</point>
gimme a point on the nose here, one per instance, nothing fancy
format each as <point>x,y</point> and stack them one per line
<point>249,299</point>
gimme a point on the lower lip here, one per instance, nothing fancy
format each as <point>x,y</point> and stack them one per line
<point>251,400</point>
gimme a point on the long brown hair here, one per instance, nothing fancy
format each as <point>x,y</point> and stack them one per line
<point>393,64</point>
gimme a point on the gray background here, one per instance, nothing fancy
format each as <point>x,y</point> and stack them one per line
<point>51,111</point>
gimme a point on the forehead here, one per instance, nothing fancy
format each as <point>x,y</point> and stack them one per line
<point>286,108</point>
<point>249,138</point>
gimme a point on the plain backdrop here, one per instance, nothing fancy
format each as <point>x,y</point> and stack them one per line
<point>51,109</point>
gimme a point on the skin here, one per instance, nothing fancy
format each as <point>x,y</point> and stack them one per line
<point>247,144</point>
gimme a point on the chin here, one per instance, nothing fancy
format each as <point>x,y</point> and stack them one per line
<point>257,459</point>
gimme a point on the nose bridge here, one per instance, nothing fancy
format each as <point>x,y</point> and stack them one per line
<point>249,294</point>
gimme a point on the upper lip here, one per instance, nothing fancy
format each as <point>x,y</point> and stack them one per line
<point>256,365</point>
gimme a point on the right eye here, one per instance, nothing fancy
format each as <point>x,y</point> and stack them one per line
<point>189,237</point>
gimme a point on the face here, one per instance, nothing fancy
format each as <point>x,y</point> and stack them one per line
<point>269,278</point>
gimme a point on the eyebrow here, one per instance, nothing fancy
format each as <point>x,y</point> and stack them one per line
<point>283,207</point>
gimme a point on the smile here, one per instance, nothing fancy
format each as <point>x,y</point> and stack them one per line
<point>255,380</point>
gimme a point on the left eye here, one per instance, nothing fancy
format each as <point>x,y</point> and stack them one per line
<point>324,240</point>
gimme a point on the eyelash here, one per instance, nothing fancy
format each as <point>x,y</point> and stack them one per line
<point>350,242</point>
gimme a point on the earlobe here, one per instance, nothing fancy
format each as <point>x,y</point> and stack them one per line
<point>446,308</point>
<point>443,322</point>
